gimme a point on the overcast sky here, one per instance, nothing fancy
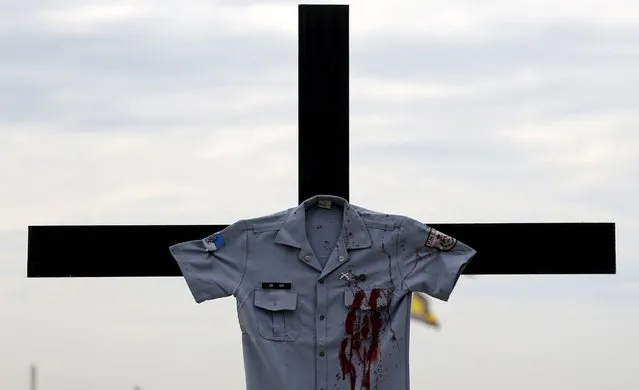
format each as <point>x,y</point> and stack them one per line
<point>137,112</point>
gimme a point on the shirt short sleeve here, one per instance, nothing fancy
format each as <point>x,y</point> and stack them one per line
<point>213,267</point>
<point>431,261</point>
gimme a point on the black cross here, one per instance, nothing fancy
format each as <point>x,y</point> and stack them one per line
<point>142,250</point>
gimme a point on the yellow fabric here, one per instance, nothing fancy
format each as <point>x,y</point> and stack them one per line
<point>420,310</point>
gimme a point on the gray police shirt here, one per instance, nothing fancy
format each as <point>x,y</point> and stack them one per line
<point>323,291</point>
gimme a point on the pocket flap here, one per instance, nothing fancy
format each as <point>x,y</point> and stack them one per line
<point>372,299</point>
<point>276,300</point>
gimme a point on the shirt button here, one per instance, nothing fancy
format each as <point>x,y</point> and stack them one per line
<point>341,259</point>
<point>321,317</point>
<point>321,353</point>
<point>307,258</point>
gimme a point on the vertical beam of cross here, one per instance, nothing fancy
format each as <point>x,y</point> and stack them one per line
<point>323,101</point>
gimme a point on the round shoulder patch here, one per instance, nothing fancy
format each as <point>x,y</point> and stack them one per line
<point>439,240</point>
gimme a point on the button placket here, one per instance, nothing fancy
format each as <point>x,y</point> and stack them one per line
<point>320,332</point>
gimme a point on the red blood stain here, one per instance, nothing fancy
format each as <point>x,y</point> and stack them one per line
<point>372,301</point>
<point>348,368</point>
<point>376,325</point>
<point>373,351</point>
<point>358,330</point>
<point>358,299</point>
<point>349,323</point>
<point>366,324</point>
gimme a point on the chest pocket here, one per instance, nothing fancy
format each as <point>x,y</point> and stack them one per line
<point>366,312</point>
<point>276,314</point>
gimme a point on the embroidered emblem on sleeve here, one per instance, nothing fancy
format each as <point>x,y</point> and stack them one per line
<point>439,240</point>
<point>213,242</point>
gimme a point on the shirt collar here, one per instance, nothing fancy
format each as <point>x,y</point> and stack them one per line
<point>354,232</point>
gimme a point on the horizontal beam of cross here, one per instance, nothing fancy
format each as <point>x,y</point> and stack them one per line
<point>502,248</point>
<point>138,251</point>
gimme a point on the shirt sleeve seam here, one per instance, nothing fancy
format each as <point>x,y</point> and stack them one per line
<point>245,232</point>
<point>397,255</point>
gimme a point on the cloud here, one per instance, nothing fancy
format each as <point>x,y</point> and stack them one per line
<point>13,261</point>
<point>94,82</point>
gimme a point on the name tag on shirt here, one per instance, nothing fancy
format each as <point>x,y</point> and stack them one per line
<point>276,286</point>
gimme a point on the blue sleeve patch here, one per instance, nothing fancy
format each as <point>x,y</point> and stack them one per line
<point>213,242</point>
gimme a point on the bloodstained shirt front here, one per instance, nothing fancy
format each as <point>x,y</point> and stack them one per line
<point>323,291</point>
